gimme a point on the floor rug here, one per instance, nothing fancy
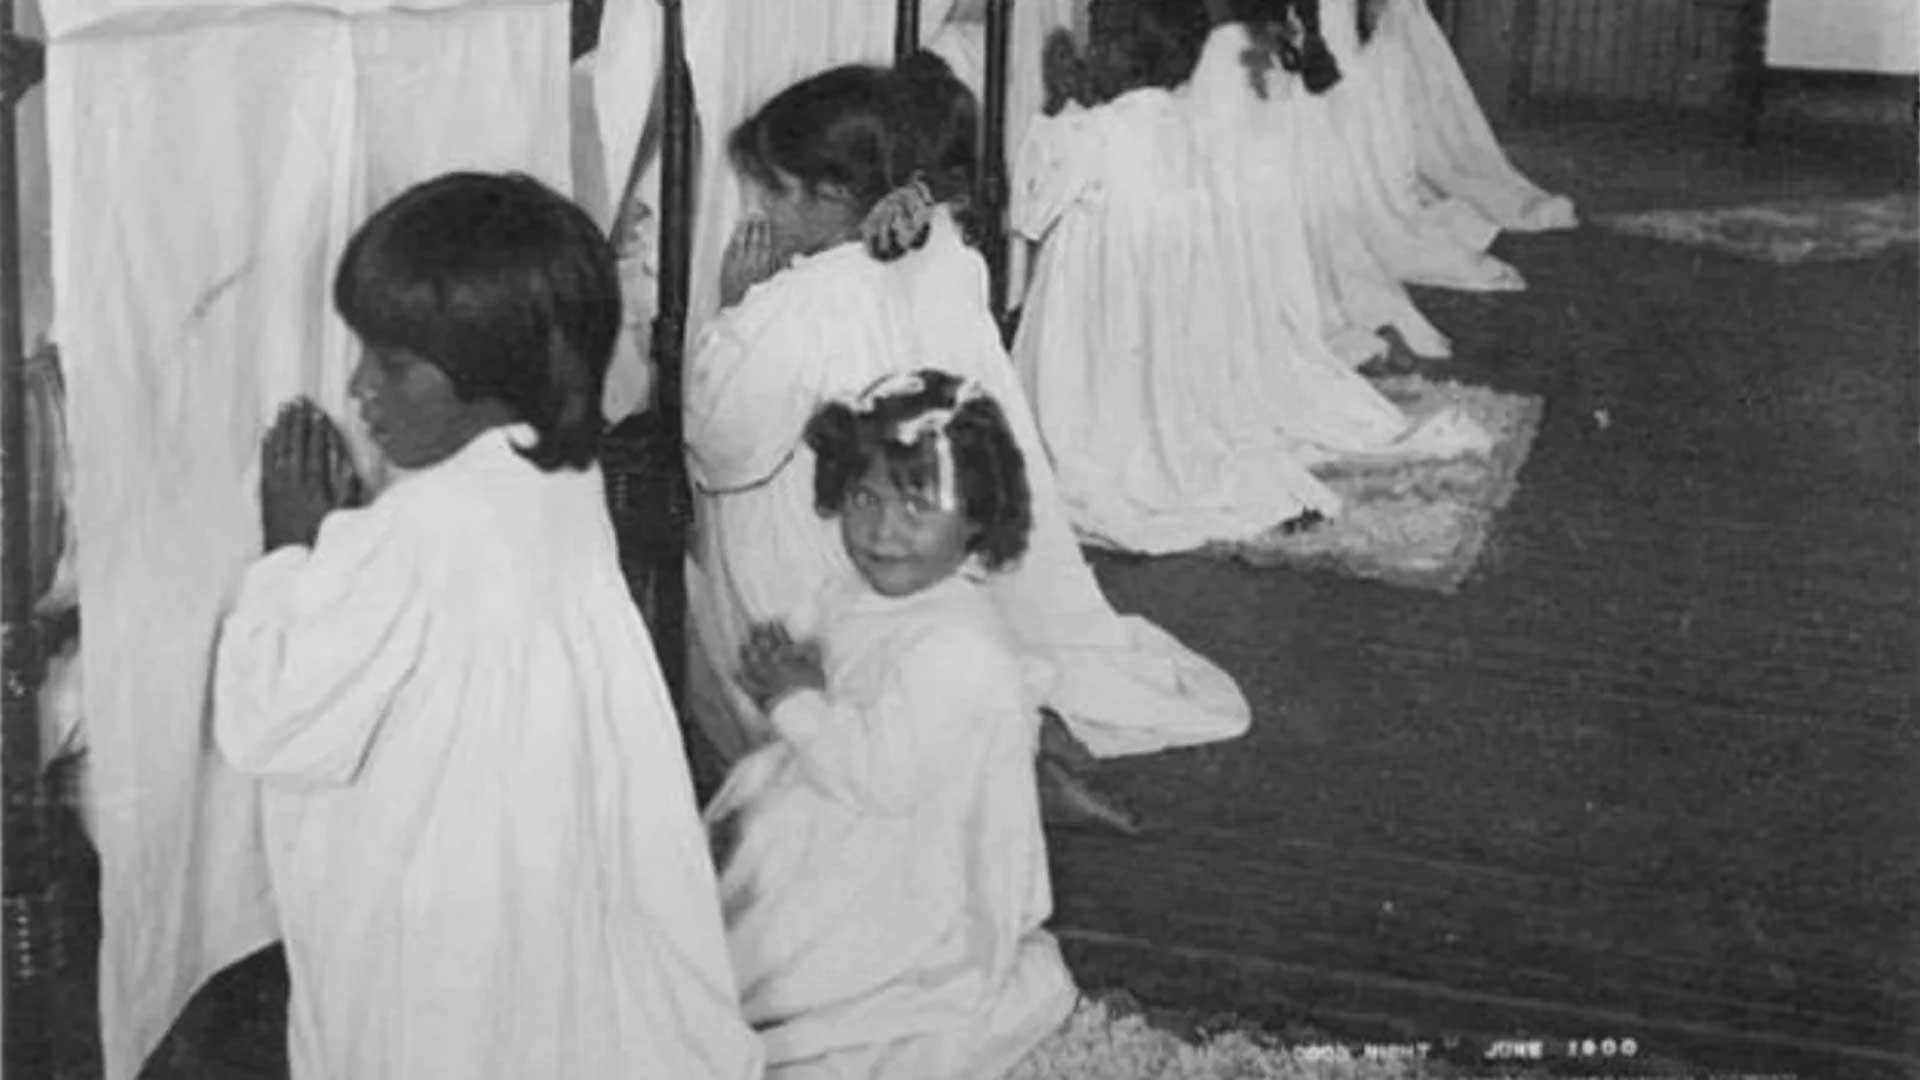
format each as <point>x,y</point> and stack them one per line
<point>1804,231</point>
<point>1101,1041</point>
<point>1419,524</point>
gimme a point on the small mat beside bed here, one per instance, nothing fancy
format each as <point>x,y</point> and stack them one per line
<point>1107,1042</point>
<point>1800,231</point>
<point>1419,524</point>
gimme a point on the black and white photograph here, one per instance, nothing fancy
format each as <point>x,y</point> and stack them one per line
<point>960,539</point>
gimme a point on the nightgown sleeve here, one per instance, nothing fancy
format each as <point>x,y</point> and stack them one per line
<point>317,644</point>
<point>932,718</point>
<point>1053,169</point>
<point>751,388</point>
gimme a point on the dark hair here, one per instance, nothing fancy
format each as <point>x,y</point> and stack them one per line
<point>1132,44</point>
<point>1157,43</point>
<point>502,284</point>
<point>992,473</point>
<point>868,129</point>
<point>1366,18</point>
<point>1305,52</point>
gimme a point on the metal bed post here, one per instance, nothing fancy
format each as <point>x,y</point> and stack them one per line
<point>27,1042</point>
<point>991,199</point>
<point>906,29</point>
<point>669,582</point>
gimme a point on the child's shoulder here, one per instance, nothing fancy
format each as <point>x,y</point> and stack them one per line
<point>476,484</point>
<point>968,647</point>
<point>962,622</point>
<point>812,280</point>
<point>824,290</point>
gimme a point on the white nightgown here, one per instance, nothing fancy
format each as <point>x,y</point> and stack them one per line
<point>1419,146</point>
<point>1354,145</point>
<point>887,886</point>
<point>826,328</point>
<point>480,830</point>
<point>1177,345</point>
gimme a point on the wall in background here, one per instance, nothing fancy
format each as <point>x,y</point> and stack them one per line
<point>1878,36</point>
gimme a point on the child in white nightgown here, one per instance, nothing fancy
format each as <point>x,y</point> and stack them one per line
<point>480,831</point>
<point>815,314</point>
<point>1430,136</point>
<point>883,872</point>
<point>1177,344</point>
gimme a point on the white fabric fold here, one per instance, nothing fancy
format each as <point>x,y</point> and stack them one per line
<point>1407,110</point>
<point>71,18</point>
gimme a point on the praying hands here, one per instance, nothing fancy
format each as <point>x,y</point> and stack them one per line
<point>306,473</point>
<point>773,665</point>
<point>750,259</point>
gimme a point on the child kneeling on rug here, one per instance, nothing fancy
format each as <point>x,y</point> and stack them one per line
<point>883,871</point>
<point>480,831</point>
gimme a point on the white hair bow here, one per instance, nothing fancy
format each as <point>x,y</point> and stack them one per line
<point>932,422</point>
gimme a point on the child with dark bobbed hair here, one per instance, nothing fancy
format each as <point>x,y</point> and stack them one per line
<point>478,822</point>
<point>899,783</point>
<point>508,292</point>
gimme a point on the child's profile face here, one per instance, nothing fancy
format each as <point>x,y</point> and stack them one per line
<point>411,410</point>
<point>804,220</point>
<point>901,541</point>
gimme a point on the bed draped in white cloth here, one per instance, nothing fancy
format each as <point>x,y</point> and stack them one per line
<point>1178,345</point>
<point>741,53</point>
<point>904,792</point>
<point>824,329</point>
<point>208,165</point>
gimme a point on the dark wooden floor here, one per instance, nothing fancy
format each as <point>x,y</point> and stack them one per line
<point>1651,774</point>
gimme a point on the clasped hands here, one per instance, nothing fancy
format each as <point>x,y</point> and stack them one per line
<point>751,258</point>
<point>306,473</point>
<point>773,665</point>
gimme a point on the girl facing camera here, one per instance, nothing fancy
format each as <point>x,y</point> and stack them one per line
<point>899,783</point>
